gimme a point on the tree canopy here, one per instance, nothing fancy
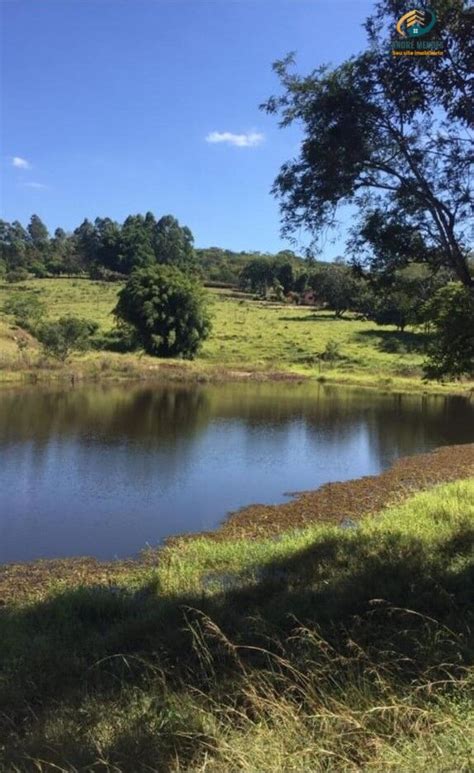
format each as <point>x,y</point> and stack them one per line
<point>108,250</point>
<point>167,309</point>
<point>451,318</point>
<point>390,136</point>
<point>103,248</point>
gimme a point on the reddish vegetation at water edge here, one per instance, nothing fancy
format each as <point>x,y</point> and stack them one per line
<point>353,498</point>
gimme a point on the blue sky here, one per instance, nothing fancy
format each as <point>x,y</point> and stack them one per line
<point>109,108</point>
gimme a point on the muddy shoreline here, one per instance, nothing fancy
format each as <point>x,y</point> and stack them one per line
<point>331,503</point>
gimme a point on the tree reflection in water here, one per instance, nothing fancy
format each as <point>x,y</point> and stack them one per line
<point>104,469</point>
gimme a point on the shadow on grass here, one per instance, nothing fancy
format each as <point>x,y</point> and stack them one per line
<point>114,340</point>
<point>395,341</point>
<point>314,317</point>
<point>122,660</point>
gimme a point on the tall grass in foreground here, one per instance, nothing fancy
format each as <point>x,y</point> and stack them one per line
<point>322,650</point>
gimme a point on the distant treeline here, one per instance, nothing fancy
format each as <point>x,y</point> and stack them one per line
<point>106,249</point>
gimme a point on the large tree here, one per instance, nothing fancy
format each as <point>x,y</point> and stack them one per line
<point>86,243</point>
<point>336,285</point>
<point>390,135</point>
<point>167,309</point>
<point>258,275</point>
<point>38,233</point>
<point>451,315</point>
<point>173,244</point>
<point>14,242</point>
<point>136,243</point>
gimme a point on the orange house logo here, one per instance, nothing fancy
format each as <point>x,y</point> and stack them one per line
<point>412,28</point>
<point>416,23</point>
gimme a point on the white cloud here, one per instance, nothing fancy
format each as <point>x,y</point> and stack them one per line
<point>34,185</point>
<point>20,163</point>
<point>247,140</point>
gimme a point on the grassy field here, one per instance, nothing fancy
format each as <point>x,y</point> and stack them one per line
<point>326,649</point>
<point>253,338</point>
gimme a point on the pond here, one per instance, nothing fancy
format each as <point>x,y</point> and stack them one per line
<point>107,470</point>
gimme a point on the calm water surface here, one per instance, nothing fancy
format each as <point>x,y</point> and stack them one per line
<point>104,471</point>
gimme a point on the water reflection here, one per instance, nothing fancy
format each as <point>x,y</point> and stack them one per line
<point>104,470</point>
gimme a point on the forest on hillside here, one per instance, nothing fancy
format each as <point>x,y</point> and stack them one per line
<point>106,249</point>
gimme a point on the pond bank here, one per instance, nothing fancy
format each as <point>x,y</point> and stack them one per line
<point>117,368</point>
<point>336,501</point>
<point>249,341</point>
<point>331,503</point>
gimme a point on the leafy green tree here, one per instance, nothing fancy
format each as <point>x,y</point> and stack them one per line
<point>301,282</point>
<point>136,243</point>
<point>14,240</point>
<point>54,265</point>
<point>86,243</point>
<point>398,298</point>
<point>26,308</point>
<point>107,242</point>
<point>63,255</point>
<point>395,307</point>
<point>38,233</point>
<point>173,244</point>
<point>451,318</point>
<point>336,285</point>
<point>365,302</point>
<point>59,238</point>
<point>386,134</point>
<point>38,269</point>
<point>66,335</point>
<point>167,309</point>
<point>258,275</point>
<point>284,274</point>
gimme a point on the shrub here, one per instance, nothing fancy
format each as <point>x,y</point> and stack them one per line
<point>332,352</point>
<point>167,309</point>
<point>104,274</point>
<point>18,275</point>
<point>67,334</point>
<point>26,308</point>
<point>122,338</point>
